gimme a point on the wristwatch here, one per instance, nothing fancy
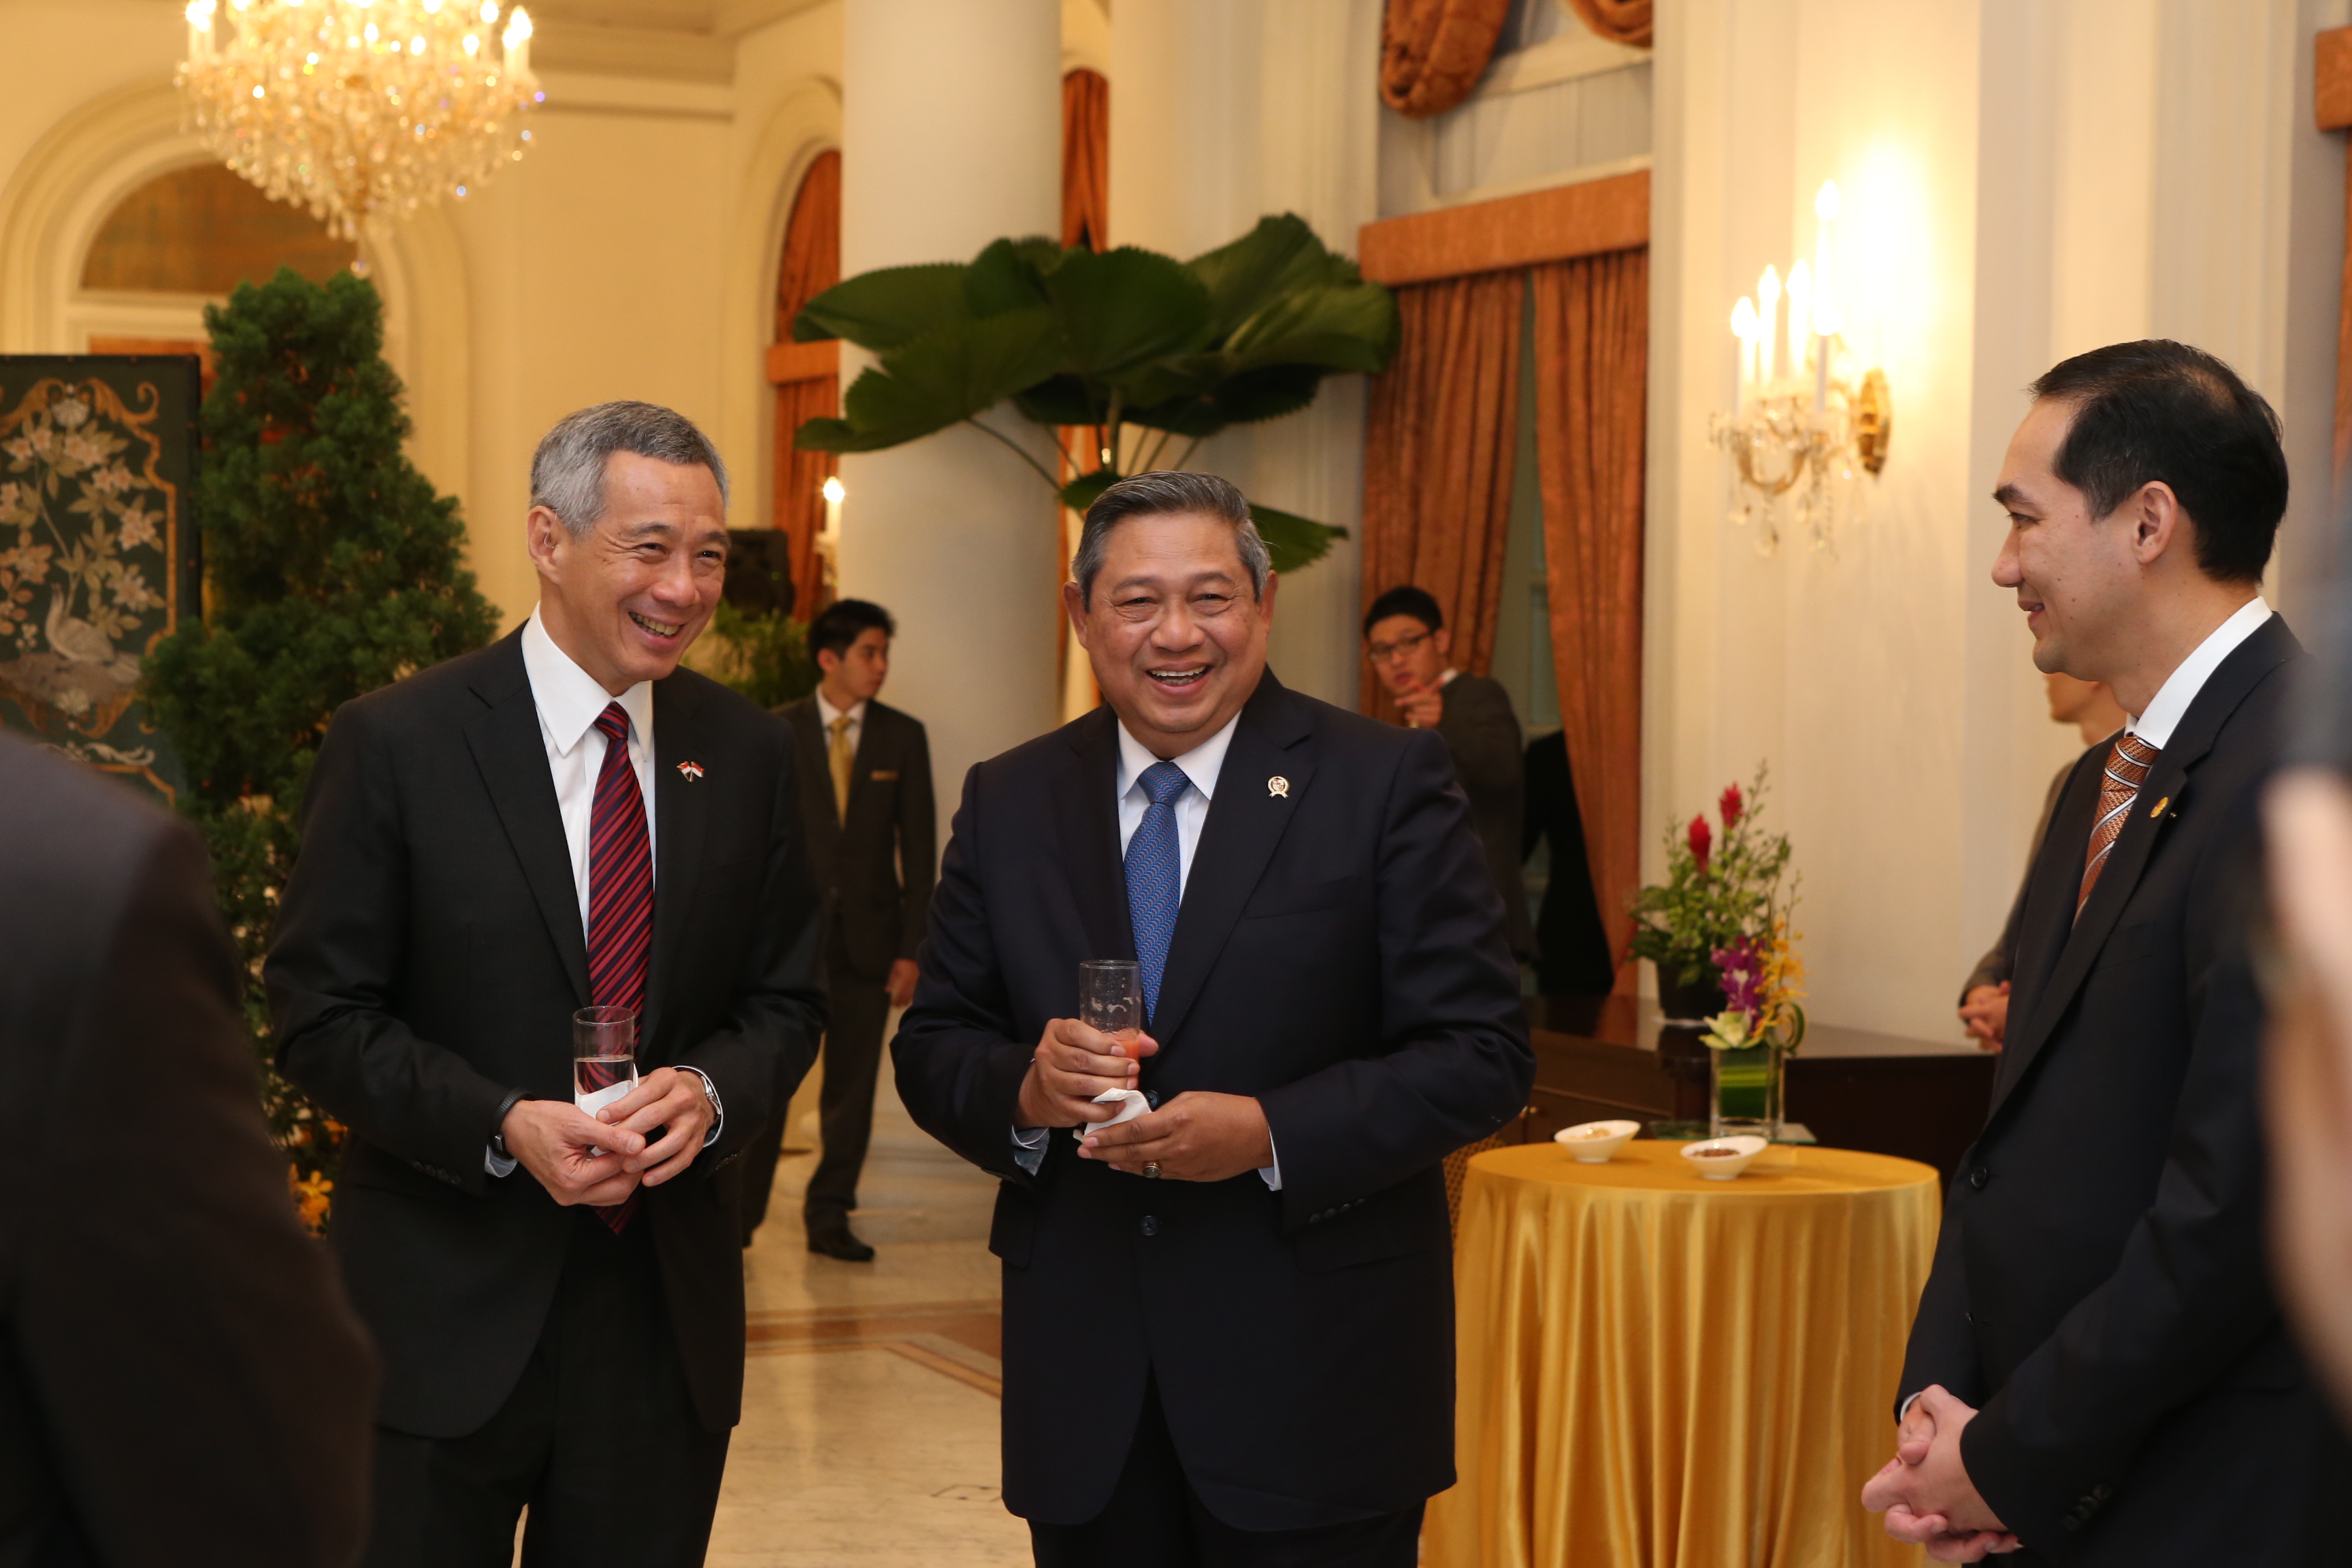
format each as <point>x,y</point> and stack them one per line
<point>497,1124</point>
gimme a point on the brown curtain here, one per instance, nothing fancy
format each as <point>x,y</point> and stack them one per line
<point>1086,160</point>
<point>811,264</point>
<point>1591,374</point>
<point>1619,21</point>
<point>1437,459</point>
<point>1432,52</point>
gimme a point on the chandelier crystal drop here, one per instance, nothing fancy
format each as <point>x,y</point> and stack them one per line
<point>359,109</point>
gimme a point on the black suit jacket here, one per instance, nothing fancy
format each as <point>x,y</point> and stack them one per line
<point>428,959</point>
<point>180,1376</point>
<point>1483,733</point>
<point>874,871</point>
<point>1572,956</point>
<point>2099,1288</point>
<point>1338,954</point>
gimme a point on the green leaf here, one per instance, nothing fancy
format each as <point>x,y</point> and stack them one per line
<point>884,309</point>
<point>1293,540</point>
<point>941,378</point>
<point>1267,394</point>
<point>1281,253</point>
<point>1124,306</point>
<point>1007,276</point>
<point>1086,488</point>
<point>1350,326</point>
<point>1061,400</point>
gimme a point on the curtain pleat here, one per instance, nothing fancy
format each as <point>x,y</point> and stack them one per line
<point>1086,160</point>
<point>1437,459</point>
<point>1591,335</point>
<point>811,264</point>
<point>1432,52</point>
<point>1619,21</point>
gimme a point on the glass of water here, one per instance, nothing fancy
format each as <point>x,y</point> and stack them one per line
<point>603,1056</point>
<point>1110,997</point>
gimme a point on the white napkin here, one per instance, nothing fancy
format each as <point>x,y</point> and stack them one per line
<point>1131,1104</point>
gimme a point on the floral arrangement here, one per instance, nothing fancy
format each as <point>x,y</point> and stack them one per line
<point>1762,978</point>
<point>1722,913</point>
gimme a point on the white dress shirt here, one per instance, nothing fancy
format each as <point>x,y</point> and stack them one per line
<point>1201,766</point>
<point>570,700</point>
<point>2180,688</point>
<point>854,713</point>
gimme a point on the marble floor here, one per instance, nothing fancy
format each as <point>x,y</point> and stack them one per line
<point>869,1432</point>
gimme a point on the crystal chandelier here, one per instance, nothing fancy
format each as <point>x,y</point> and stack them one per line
<point>1802,429</point>
<point>358,109</point>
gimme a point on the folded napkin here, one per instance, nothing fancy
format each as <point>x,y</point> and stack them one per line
<point>1131,1104</point>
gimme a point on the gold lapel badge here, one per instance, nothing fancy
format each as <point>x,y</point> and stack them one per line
<point>1278,787</point>
<point>2158,809</point>
<point>692,771</point>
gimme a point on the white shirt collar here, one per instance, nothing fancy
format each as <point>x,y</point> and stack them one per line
<point>854,712</point>
<point>2171,701</point>
<point>1447,678</point>
<point>1200,765</point>
<point>568,699</point>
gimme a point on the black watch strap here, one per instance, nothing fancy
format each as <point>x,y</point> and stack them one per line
<point>498,1123</point>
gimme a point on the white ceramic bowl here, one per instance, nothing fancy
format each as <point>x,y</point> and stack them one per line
<point>1591,1143</point>
<point>1739,1153</point>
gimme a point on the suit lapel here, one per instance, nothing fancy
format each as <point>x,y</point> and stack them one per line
<point>1088,813</point>
<point>2168,786</point>
<point>511,753</point>
<point>680,820</point>
<point>808,735</point>
<point>1246,820</point>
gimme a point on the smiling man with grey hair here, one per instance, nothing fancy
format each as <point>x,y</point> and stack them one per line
<point>561,821</point>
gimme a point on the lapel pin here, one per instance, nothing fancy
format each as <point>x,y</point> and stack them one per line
<point>692,771</point>
<point>1278,786</point>
<point>2158,809</point>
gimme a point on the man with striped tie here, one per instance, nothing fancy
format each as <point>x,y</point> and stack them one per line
<point>1229,1320</point>
<point>2098,1372</point>
<point>562,820</point>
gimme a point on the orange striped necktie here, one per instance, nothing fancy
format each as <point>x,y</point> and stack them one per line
<point>2128,767</point>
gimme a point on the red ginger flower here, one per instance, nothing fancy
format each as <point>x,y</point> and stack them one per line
<point>1734,805</point>
<point>1702,841</point>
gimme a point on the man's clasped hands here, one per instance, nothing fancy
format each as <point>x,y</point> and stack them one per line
<point>1925,1491</point>
<point>1195,1137</point>
<point>644,1138</point>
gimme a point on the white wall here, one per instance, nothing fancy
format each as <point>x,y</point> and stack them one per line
<point>2040,178</point>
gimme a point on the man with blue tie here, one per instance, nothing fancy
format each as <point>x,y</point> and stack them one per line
<point>1228,1321</point>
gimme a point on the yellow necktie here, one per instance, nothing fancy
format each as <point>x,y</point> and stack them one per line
<point>840,756</point>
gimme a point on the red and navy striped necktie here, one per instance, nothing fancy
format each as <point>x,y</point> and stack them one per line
<point>620,893</point>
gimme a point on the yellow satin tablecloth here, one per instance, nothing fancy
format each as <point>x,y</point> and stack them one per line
<point>1661,1371</point>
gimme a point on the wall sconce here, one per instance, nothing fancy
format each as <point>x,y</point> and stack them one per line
<point>829,542</point>
<point>1803,427</point>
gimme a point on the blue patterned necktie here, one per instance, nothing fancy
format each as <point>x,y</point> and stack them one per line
<point>1155,882</point>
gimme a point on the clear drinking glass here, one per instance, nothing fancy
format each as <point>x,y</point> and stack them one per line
<point>603,1056</point>
<point>1110,997</point>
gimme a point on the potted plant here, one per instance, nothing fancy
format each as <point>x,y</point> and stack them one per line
<point>1130,357</point>
<point>1715,895</point>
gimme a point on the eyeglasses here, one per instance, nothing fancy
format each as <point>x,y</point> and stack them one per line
<point>1382,652</point>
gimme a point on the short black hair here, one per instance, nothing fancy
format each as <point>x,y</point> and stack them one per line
<point>1418,603</point>
<point>843,622</point>
<point>2157,410</point>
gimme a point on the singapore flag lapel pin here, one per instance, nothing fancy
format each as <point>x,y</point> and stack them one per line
<point>693,770</point>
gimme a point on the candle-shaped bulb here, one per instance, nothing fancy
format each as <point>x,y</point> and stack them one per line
<point>517,39</point>
<point>1826,321</point>
<point>1801,284</point>
<point>1743,320</point>
<point>200,15</point>
<point>1768,287</point>
<point>1826,202</point>
<point>833,491</point>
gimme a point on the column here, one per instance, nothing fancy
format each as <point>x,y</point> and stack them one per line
<point>951,138</point>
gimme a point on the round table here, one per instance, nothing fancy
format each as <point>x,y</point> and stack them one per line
<point>1661,1371</point>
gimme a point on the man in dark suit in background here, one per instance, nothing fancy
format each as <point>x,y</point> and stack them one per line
<point>564,819</point>
<point>1228,1322</point>
<point>1573,955</point>
<point>1405,636</point>
<point>181,1379</point>
<point>871,838</point>
<point>2098,1369</point>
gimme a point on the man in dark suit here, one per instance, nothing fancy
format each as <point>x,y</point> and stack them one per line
<point>2098,1369</point>
<point>180,1376</point>
<point>564,819</point>
<point>1405,636</point>
<point>1228,1321</point>
<point>871,838</point>
<point>1573,955</point>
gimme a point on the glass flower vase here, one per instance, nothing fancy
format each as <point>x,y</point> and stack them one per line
<point>1744,1092</point>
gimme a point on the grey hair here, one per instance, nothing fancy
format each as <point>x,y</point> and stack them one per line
<point>1164,492</point>
<point>567,473</point>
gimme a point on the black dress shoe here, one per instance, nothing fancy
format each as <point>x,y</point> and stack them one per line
<point>835,1241</point>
